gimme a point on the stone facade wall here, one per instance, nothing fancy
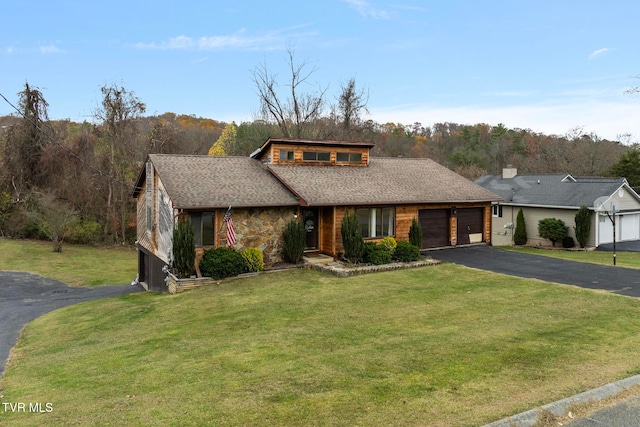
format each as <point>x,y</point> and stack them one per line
<point>262,228</point>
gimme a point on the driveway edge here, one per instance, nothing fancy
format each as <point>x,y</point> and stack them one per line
<point>558,408</point>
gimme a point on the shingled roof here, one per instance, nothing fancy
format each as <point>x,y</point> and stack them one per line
<point>194,182</point>
<point>384,181</point>
<point>551,190</point>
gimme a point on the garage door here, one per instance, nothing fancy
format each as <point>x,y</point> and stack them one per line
<point>435,227</point>
<point>470,225</point>
<point>627,228</point>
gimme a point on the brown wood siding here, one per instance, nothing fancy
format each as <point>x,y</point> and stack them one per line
<point>298,150</point>
<point>332,239</point>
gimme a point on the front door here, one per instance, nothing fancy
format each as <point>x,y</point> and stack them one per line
<point>310,221</point>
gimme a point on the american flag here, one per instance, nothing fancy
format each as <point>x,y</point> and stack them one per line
<point>231,233</point>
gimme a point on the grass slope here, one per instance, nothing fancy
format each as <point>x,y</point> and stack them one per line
<point>77,265</point>
<point>436,346</point>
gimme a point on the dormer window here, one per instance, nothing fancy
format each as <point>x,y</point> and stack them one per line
<point>286,155</point>
<point>316,156</point>
<point>346,157</point>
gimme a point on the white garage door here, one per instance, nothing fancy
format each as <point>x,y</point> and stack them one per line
<point>627,228</point>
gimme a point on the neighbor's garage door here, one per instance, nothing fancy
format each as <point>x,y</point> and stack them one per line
<point>627,228</point>
<point>435,227</point>
<point>470,221</point>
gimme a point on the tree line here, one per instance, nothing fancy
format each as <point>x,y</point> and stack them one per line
<point>73,181</point>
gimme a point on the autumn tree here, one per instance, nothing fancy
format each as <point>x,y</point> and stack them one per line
<point>224,144</point>
<point>117,114</point>
<point>294,113</point>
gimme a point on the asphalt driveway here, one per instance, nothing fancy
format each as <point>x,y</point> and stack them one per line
<point>623,281</point>
<point>25,297</point>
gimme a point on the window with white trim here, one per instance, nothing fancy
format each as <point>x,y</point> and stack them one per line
<point>497,211</point>
<point>376,222</point>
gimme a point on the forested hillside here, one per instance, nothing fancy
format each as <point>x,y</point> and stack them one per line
<point>72,181</point>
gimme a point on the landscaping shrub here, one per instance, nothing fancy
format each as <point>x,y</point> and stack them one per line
<point>376,254</point>
<point>415,233</point>
<point>390,243</point>
<point>84,231</point>
<point>222,262</point>
<point>583,225</point>
<point>406,252</point>
<point>352,238</point>
<point>520,234</point>
<point>254,259</point>
<point>553,229</point>
<point>568,242</point>
<point>184,248</point>
<point>294,238</point>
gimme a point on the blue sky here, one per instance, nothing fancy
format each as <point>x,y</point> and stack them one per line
<point>545,65</point>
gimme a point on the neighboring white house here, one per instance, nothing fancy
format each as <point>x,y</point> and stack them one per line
<point>560,196</point>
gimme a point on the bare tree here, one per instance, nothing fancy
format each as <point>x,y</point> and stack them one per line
<point>296,113</point>
<point>53,217</point>
<point>118,111</point>
<point>351,102</point>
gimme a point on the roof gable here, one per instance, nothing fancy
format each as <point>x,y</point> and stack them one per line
<point>552,190</point>
<point>194,182</point>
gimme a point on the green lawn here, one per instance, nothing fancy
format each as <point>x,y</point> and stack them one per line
<point>77,265</point>
<point>624,259</point>
<point>438,346</point>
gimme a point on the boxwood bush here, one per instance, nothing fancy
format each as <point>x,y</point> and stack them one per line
<point>406,252</point>
<point>376,254</point>
<point>222,262</point>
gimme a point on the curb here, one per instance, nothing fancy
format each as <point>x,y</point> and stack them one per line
<point>558,408</point>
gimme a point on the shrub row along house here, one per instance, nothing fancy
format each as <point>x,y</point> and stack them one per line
<point>316,182</point>
<point>560,196</point>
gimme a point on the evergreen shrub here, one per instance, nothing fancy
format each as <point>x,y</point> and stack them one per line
<point>184,248</point>
<point>568,242</point>
<point>294,238</point>
<point>406,252</point>
<point>352,238</point>
<point>553,229</point>
<point>520,234</point>
<point>583,226</point>
<point>254,259</point>
<point>415,233</point>
<point>376,254</point>
<point>222,262</point>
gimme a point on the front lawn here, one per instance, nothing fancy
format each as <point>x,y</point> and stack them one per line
<point>438,346</point>
<point>624,259</point>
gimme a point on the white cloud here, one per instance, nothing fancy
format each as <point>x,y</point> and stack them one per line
<point>275,39</point>
<point>599,52</point>
<point>50,49</point>
<point>365,10</point>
